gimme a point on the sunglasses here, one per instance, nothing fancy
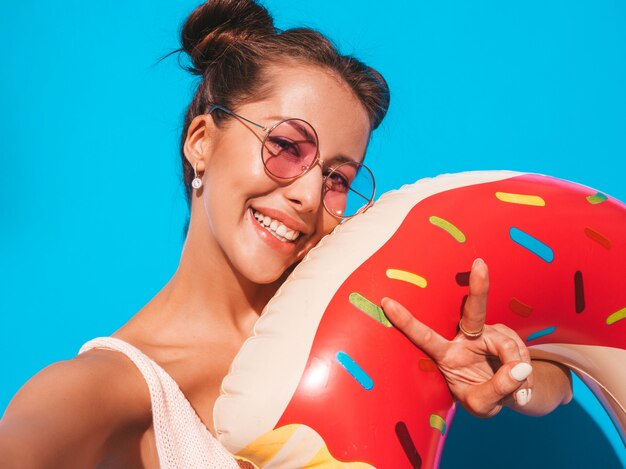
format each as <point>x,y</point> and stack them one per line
<point>290,148</point>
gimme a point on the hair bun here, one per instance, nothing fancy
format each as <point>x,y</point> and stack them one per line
<point>220,26</point>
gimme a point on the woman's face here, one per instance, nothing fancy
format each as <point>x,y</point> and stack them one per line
<point>237,190</point>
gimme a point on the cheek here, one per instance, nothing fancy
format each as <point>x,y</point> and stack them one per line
<point>328,223</point>
<point>235,174</point>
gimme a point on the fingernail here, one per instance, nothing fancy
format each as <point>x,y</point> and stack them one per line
<point>522,397</point>
<point>521,371</point>
<point>477,261</point>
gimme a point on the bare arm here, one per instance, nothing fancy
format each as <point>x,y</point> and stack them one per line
<point>66,414</point>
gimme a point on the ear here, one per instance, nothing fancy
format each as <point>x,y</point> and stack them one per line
<point>198,142</point>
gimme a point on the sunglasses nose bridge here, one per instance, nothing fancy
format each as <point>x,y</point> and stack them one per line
<point>308,167</point>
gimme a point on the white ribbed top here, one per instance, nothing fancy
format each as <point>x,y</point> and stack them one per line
<point>182,440</point>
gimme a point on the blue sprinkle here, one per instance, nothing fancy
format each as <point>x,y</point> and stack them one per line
<point>541,333</point>
<point>532,244</point>
<point>355,370</point>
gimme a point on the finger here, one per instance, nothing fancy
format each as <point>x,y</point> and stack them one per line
<point>523,349</point>
<point>417,332</point>
<point>508,379</point>
<point>501,345</point>
<point>509,348</point>
<point>475,308</point>
<point>509,351</point>
<point>523,396</point>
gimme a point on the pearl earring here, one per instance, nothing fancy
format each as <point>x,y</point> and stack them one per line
<point>197,182</point>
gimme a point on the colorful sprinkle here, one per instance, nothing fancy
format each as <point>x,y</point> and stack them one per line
<point>409,277</point>
<point>616,316</point>
<point>438,423</point>
<point>521,199</point>
<point>598,238</point>
<point>596,198</point>
<point>426,364</point>
<point>449,228</point>
<point>541,333</point>
<point>371,309</point>
<point>402,432</point>
<point>532,244</point>
<point>355,370</point>
<point>462,279</point>
<point>519,308</point>
<point>579,292</point>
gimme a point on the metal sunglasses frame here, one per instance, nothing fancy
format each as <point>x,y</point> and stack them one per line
<point>306,169</point>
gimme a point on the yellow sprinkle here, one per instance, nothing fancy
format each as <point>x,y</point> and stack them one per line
<point>449,227</point>
<point>405,276</point>
<point>616,316</point>
<point>438,423</point>
<point>521,199</point>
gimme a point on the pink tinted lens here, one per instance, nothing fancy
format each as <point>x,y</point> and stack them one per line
<point>348,189</point>
<point>290,148</point>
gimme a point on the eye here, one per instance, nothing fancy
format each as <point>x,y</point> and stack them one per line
<point>284,146</point>
<point>336,181</point>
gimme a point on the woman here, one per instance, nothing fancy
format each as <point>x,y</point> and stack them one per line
<point>277,123</point>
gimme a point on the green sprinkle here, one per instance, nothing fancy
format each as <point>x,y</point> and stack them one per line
<point>596,198</point>
<point>371,309</point>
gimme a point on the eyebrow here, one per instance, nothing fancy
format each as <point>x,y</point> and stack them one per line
<point>307,135</point>
<point>337,160</point>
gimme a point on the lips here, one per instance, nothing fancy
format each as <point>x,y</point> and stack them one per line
<point>278,229</point>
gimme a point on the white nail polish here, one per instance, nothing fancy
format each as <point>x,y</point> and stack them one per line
<point>529,395</point>
<point>521,371</point>
<point>522,397</point>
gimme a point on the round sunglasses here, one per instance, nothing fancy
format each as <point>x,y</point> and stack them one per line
<point>290,148</point>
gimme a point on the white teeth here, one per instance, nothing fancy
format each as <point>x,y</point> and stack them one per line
<point>275,227</point>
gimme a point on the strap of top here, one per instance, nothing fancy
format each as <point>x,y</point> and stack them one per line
<point>182,440</point>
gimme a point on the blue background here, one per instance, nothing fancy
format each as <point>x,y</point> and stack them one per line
<point>92,207</point>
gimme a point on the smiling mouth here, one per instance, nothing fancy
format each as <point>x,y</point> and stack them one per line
<point>276,228</point>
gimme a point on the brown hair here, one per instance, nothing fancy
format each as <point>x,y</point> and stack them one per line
<point>231,42</point>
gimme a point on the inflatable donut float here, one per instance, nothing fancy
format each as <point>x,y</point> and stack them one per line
<point>327,380</point>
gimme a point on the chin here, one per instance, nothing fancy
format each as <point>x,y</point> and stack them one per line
<point>267,276</point>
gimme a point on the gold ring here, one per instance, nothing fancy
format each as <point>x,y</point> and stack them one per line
<point>470,334</point>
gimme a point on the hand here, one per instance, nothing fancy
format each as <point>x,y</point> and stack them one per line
<point>481,371</point>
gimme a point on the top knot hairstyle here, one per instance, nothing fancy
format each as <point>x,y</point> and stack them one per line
<point>231,43</point>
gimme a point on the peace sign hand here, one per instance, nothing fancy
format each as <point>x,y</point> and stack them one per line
<point>481,369</point>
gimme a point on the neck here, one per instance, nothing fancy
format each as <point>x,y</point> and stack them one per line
<point>208,281</point>
<point>206,295</point>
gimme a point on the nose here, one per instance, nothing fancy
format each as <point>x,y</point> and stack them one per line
<point>305,192</point>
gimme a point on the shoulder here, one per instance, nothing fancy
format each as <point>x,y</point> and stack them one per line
<point>78,403</point>
<point>106,379</point>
